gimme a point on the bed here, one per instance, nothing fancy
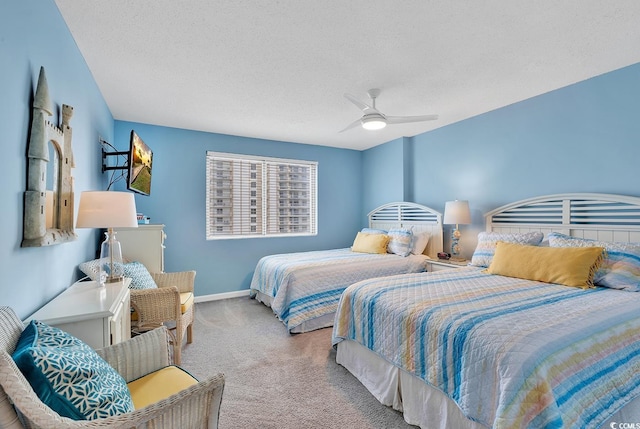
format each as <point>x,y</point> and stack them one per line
<point>303,288</point>
<point>469,348</point>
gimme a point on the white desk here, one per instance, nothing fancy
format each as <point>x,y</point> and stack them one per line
<point>99,316</point>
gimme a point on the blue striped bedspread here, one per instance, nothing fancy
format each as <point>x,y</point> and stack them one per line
<point>511,353</point>
<point>307,285</point>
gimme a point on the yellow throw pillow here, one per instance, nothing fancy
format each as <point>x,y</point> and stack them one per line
<point>370,243</point>
<point>570,266</point>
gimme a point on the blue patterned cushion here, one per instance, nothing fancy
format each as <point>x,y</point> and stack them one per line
<point>69,376</point>
<point>140,277</point>
<point>401,242</point>
<point>92,269</point>
<point>486,247</point>
<point>620,268</point>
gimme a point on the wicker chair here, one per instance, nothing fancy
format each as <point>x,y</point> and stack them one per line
<point>197,406</point>
<point>171,303</point>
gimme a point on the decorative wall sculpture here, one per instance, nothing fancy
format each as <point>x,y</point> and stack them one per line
<point>48,200</point>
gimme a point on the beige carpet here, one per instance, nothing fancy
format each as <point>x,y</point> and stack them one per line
<point>276,380</point>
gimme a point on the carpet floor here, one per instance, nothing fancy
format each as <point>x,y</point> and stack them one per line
<point>274,379</point>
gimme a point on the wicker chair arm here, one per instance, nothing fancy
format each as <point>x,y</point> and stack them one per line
<point>195,407</point>
<point>140,355</point>
<point>183,280</point>
<point>155,306</point>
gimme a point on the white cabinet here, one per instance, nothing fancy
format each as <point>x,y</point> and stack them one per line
<point>144,244</point>
<point>97,315</point>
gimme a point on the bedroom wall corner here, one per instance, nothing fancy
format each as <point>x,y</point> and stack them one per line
<point>409,169</point>
<point>177,200</point>
<point>383,175</point>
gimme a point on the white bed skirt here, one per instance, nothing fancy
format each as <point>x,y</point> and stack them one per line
<point>421,404</point>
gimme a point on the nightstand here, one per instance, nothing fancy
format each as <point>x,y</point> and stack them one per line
<point>443,264</point>
<point>99,316</point>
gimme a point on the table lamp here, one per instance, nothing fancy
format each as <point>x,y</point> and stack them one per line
<point>108,209</point>
<point>456,213</point>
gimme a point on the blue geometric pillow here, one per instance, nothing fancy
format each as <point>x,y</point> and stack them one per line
<point>620,269</point>
<point>69,376</point>
<point>401,242</point>
<point>140,277</point>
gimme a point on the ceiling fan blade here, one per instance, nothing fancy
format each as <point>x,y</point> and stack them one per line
<point>362,106</point>
<point>407,119</point>
<point>351,125</point>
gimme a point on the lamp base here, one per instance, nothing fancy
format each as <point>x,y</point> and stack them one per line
<point>455,244</point>
<point>110,259</point>
<point>457,259</point>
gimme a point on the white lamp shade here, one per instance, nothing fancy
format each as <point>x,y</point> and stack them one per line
<point>457,212</point>
<point>106,209</point>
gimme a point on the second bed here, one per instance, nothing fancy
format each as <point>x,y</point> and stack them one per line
<point>303,289</point>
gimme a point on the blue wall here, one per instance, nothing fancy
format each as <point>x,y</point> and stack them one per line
<point>384,169</point>
<point>33,34</point>
<point>177,200</point>
<point>581,138</point>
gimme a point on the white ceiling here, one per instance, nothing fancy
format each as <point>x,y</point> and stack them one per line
<point>278,69</point>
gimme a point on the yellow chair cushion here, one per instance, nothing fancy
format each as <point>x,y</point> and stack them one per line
<point>186,301</point>
<point>159,385</point>
<point>570,266</point>
<point>370,243</point>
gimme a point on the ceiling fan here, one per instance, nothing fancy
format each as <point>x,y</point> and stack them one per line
<point>373,119</point>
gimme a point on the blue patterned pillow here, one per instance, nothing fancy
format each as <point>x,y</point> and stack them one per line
<point>620,268</point>
<point>69,376</point>
<point>401,242</point>
<point>486,247</point>
<point>92,270</point>
<point>140,277</point>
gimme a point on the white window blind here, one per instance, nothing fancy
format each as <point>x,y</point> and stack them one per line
<point>257,196</point>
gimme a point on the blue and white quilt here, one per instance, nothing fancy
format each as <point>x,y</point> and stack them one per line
<point>306,285</point>
<point>511,353</point>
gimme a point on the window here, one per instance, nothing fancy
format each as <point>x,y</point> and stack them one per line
<point>251,196</point>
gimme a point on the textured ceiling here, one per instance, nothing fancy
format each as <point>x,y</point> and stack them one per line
<point>278,69</point>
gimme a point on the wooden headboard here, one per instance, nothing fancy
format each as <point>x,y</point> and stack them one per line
<point>606,217</point>
<point>413,216</point>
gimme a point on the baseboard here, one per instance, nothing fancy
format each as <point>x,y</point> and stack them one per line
<point>219,296</point>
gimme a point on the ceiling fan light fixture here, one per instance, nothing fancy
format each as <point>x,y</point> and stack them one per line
<point>373,123</point>
<point>373,119</point>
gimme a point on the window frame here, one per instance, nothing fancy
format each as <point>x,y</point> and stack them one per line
<point>270,216</point>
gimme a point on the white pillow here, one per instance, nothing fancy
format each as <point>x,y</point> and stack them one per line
<point>420,241</point>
